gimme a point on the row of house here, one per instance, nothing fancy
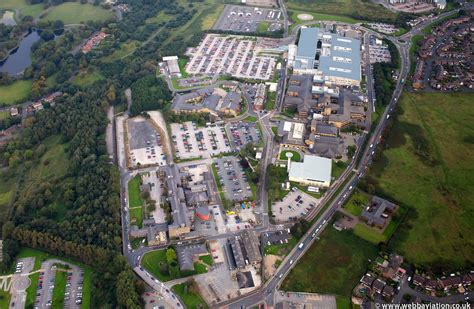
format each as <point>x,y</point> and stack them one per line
<point>93,42</point>
<point>38,105</point>
<point>446,283</point>
<point>377,286</point>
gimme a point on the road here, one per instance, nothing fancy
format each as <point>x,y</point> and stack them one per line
<point>335,196</point>
<point>348,181</point>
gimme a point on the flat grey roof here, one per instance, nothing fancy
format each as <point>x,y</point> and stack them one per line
<point>312,168</point>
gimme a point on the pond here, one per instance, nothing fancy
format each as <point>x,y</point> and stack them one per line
<point>20,59</point>
<point>7,18</point>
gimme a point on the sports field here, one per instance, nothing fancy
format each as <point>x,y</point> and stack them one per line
<point>429,168</point>
<point>23,7</point>
<point>355,9</point>
<point>333,265</point>
<point>75,13</point>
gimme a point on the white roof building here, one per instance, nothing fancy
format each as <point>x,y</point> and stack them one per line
<point>313,171</point>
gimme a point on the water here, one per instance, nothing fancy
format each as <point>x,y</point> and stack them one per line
<point>20,59</point>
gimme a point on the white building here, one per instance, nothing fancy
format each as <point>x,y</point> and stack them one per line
<point>173,67</point>
<point>313,171</point>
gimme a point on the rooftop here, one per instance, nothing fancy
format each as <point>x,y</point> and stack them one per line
<point>313,168</point>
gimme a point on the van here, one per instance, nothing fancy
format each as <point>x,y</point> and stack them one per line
<point>291,262</point>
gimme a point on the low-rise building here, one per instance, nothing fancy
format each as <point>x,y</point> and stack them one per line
<point>313,171</point>
<point>378,212</point>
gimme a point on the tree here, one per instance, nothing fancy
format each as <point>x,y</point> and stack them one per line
<point>125,290</point>
<point>170,256</point>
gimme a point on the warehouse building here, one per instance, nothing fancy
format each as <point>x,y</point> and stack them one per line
<point>313,171</point>
<point>328,56</point>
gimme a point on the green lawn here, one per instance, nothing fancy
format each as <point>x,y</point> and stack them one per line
<point>125,49</point>
<point>86,79</point>
<point>270,100</point>
<point>17,92</point>
<point>134,192</point>
<point>182,64</point>
<point>136,216</point>
<point>338,167</point>
<point>357,202</point>
<point>136,242</point>
<point>296,155</point>
<point>293,14</point>
<point>59,289</point>
<point>263,27</point>
<point>75,13</point>
<point>250,119</point>
<point>4,115</point>
<point>333,265</point>
<point>5,299</point>
<point>200,268</point>
<point>190,298</point>
<point>207,259</point>
<point>371,234</point>
<point>343,302</point>
<point>428,167</point>
<point>151,261</point>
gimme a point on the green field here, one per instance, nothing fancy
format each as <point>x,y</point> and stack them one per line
<point>53,164</point>
<point>296,155</point>
<point>338,167</point>
<point>295,21</point>
<point>263,27</point>
<point>4,115</point>
<point>59,289</point>
<point>18,91</point>
<point>428,167</point>
<point>24,8</point>
<point>371,234</point>
<point>357,202</point>
<point>134,192</point>
<point>76,13</point>
<point>151,261</point>
<point>333,265</point>
<point>5,299</point>
<point>190,298</point>
<point>355,9</point>
<point>136,216</point>
<point>281,249</point>
<point>86,79</point>
<point>207,259</point>
<point>124,50</point>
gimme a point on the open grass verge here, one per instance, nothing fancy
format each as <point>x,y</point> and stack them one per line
<point>333,265</point>
<point>356,203</point>
<point>59,289</point>
<point>190,297</point>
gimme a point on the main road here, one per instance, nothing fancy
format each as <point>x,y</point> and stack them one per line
<point>341,190</point>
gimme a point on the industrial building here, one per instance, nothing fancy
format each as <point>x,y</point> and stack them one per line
<point>329,57</point>
<point>173,67</point>
<point>313,171</point>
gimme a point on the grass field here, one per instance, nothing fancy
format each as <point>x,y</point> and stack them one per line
<point>191,299</point>
<point>53,164</point>
<point>24,8</point>
<point>75,13</point>
<point>332,265</point>
<point>207,259</point>
<point>125,49</point>
<point>136,216</point>
<point>429,167</point>
<point>59,289</point>
<point>356,9</point>
<point>18,91</point>
<point>295,21</point>
<point>151,261</point>
<point>160,17</point>
<point>296,155</point>
<point>263,27</point>
<point>282,249</point>
<point>4,115</point>
<point>371,234</point>
<point>338,167</point>
<point>5,299</point>
<point>134,192</point>
<point>86,79</point>
<point>357,202</point>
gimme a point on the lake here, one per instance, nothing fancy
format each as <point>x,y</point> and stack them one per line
<point>20,59</point>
